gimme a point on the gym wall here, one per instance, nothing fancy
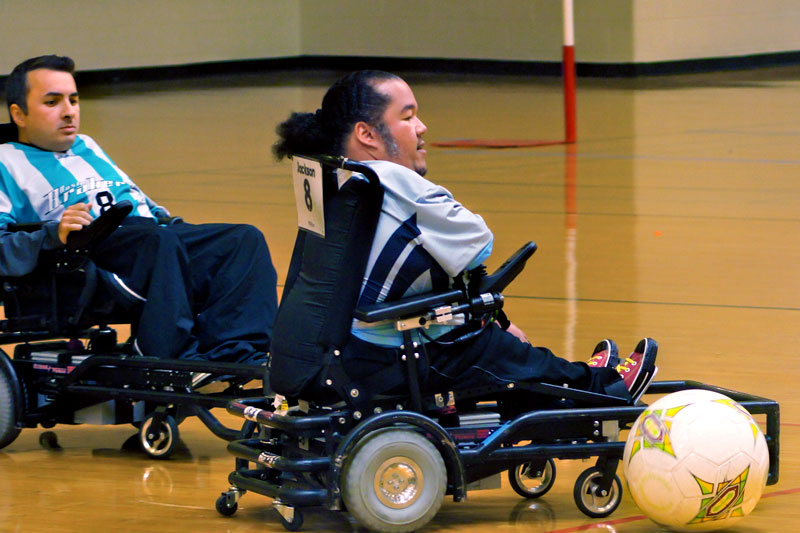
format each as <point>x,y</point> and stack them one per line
<point>121,35</point>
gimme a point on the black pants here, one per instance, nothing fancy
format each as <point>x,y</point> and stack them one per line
<point>492,357</point>
<point>195,291</point>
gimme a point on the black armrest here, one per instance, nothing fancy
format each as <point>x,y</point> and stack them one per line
<point>410,306</point>
<point>169,221</point>
<point>505,273</point>
<point>415,305</point>
<point>28,227</point>
<point>98,230</point>
<point>101,227</point>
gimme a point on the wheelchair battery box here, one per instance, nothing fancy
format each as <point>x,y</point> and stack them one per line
<point>58,358</point>
<point>63,354</point>
<point>474,426</point>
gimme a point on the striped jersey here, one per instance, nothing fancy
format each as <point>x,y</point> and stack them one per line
<point>424,239</point>
<point>37,185</point>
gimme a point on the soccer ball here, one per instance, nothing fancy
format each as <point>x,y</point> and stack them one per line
<point>695,460</point>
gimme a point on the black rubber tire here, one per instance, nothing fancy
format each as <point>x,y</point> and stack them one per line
<point>159,442</point>
<point>296,522</point>
<point>587,498</point>
<point>8,410</point>
<point>49,441</point>
<point>521,474</point>
<point>394,481</point>
<point>223,508</point>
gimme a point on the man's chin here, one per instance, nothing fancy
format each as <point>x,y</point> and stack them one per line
<point>63,143</point>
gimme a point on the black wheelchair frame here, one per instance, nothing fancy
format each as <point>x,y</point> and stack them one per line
<point>49,382</point>
<point>68,368</point>
<point>305,454</point>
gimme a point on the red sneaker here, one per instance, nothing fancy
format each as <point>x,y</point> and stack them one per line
<point>605,354</point>
<point>639,368</point>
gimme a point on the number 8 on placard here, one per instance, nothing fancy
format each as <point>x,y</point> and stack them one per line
<point>307,175</point>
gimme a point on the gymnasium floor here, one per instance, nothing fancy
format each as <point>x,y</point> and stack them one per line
<point>675,216</point>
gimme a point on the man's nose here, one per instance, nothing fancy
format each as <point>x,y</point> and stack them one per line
<point>421,127</point>
<point>70,109</point>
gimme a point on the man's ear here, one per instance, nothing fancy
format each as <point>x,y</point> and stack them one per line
<point>365,135</point>
<point>17,115</point>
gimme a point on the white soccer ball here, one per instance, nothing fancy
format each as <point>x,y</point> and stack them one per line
<point>696,460</point>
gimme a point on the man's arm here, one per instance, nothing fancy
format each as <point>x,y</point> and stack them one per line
<point>460,229</point>
<point>19,250</point>
<point>456,237</point>
<point>158,211</point>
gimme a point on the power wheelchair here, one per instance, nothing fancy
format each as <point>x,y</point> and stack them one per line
<point>389,460</point>
<point>69,368</point>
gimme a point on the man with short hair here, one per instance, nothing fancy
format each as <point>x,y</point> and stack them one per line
<point>204,291</point>
<point>424,241</point>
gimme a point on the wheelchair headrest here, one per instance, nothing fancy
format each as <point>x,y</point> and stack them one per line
<point>8,132</point>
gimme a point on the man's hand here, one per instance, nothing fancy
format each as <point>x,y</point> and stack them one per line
<point>518,333</point>
<point>75,217</point>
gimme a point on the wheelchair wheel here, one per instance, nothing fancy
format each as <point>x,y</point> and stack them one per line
<point>159,439</point>
<point>590,499</point>
<point>291,518</point>
<point>394,481</point>
<point>8,410</point>
<point>532,480</point>
<point>223,508</point>
<point>49,441</point>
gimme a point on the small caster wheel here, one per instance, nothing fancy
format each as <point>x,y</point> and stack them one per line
<point>590,499</point>
<point>49,441</point>
<point>291,517</point>
<point>532,480</point>
<point>222,505</point>
<point>159,439</point>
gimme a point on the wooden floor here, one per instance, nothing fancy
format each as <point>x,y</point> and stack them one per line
<point>676,216</point>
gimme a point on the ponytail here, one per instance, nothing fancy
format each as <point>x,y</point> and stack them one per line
<point>301,133</point>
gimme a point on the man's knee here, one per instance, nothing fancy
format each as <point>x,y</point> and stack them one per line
<point>248,241</point>
<point>249,235</point>
<point>159,241</point>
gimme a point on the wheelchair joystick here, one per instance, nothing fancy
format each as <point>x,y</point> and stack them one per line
<point>100,228</point>
<point>103,339</point>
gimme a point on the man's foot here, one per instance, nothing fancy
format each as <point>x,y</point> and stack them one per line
<point>639,368</point>
<point>605,354</point>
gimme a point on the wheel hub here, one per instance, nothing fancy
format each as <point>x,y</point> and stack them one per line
<point>398,482</point>
<point>155,438</point>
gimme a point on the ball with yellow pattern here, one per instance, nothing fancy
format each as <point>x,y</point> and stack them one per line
<point>696,460</point>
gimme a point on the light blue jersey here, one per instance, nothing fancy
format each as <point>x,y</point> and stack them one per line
<point>37,185</point>
<point>423,240</point>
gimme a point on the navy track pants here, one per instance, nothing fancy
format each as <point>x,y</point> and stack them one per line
<point>204,291</point>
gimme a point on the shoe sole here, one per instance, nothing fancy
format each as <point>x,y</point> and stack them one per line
<point>649,348</point>
<point>649,377</point>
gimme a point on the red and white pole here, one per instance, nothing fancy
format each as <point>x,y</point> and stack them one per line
<point>568,64</point>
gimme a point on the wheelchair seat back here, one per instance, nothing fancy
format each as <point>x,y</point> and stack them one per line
<point>324,280</point>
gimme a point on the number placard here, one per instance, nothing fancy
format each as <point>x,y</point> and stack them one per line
<point>307,175</point>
